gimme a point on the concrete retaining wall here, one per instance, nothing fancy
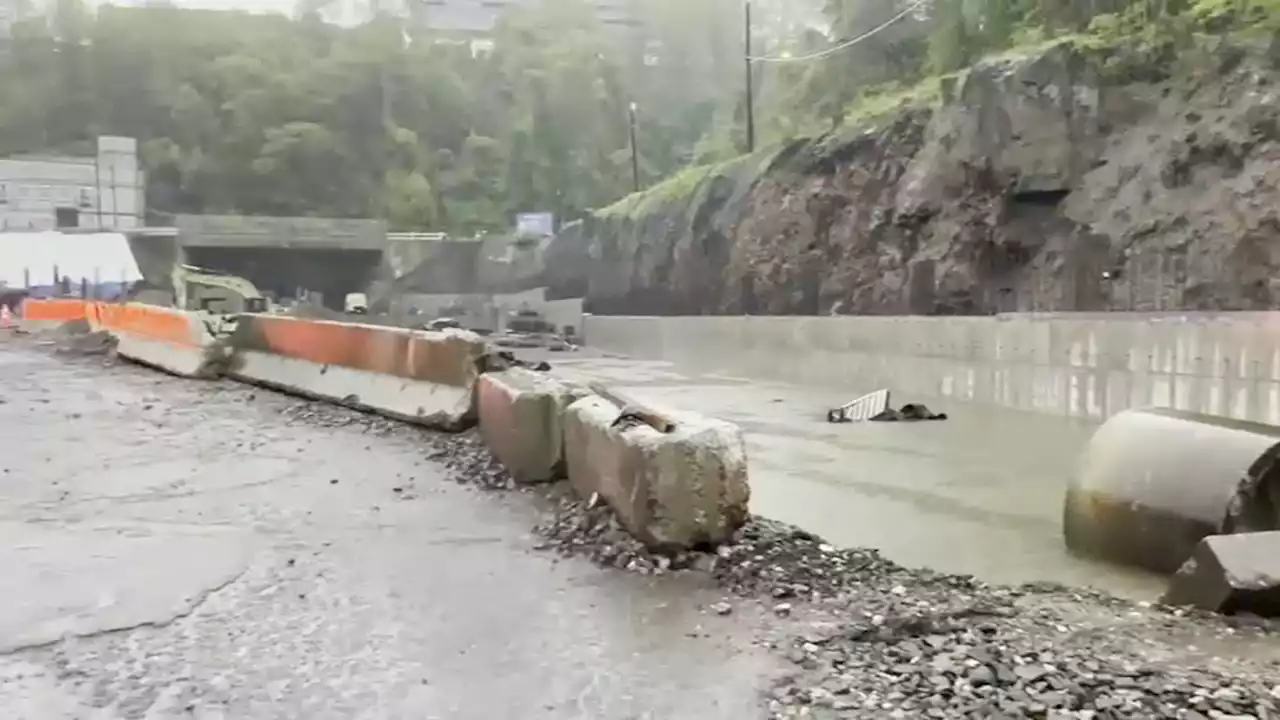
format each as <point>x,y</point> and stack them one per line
<point>1089,365</point>
<point>563,313</point>
<point>419,377</point>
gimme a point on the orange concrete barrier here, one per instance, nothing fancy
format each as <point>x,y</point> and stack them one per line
<point>422,377</point>
<point>166,338</point>
<point>148,321</point>
<point>43,314</point>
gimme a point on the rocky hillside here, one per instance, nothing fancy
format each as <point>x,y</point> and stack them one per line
<point>1054,179</point>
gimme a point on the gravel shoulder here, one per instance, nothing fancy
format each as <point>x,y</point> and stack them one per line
<point>857,636</point>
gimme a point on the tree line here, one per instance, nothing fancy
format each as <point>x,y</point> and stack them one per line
<point>289,115</point>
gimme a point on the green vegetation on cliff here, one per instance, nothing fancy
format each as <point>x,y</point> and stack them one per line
<point>1131,41</point>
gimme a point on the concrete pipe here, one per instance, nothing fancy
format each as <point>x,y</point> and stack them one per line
<point>1152,483</point>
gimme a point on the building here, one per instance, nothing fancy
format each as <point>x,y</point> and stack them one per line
<point>479,16</point>
<point>9,14</point>
<point>466,17</point>
<point>47,192</point>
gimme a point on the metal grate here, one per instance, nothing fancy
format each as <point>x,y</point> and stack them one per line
<point>864,408</point>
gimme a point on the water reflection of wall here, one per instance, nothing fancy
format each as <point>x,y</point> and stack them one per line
<point>487,311</point>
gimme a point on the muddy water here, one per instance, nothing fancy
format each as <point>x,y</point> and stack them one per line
<point>979,494</point>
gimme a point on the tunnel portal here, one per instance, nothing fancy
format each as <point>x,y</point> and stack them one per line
<point>283,272</point>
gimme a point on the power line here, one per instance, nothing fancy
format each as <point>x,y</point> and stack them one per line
<point>844,45</point>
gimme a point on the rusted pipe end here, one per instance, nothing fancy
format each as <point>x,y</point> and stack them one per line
<point>633,410</point>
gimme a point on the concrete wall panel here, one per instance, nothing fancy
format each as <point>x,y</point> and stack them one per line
<point>1088,365</point>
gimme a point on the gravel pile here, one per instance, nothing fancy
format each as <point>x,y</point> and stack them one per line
<point>331,416</point>
<point>470,462</point>
<point>983,659</point>
<point>589,528</point>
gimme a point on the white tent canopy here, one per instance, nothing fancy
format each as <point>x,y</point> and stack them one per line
<point>97,258</point>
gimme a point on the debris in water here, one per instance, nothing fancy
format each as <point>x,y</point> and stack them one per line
<point>874,407</point>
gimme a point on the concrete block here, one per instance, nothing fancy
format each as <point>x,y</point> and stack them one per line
<point>522,421</point>
<point>680,489</point>
<point>1231,574</point>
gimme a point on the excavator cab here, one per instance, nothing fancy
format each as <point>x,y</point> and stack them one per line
<point>216,292</point>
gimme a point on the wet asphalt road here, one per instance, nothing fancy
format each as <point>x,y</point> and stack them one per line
<point>176,549</point>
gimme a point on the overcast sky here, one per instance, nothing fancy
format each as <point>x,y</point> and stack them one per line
<point>284,6</point>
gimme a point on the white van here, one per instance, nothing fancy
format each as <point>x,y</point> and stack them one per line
<point>357,304</point>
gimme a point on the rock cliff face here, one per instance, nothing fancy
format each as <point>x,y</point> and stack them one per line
<point>1051,181</point>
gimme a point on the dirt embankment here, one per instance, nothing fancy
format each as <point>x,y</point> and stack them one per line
<point>1055,180</point>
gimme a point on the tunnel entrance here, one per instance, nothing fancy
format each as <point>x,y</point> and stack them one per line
<point>281,272</point>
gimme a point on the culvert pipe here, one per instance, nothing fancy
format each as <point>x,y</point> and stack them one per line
<point>1153,482</point>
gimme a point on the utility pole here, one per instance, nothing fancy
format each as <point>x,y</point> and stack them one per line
<point>115,199</point>
<point>751,109</point>
<point>97,184</point>
<point>635,151</point>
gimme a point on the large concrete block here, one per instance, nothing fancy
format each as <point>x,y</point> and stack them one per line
<point>522,421</point>
<point>426,378</point>
<point>673,490</point>
<point>1231,574</point>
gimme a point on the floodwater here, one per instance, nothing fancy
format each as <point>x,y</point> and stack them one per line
<point>980,493</point>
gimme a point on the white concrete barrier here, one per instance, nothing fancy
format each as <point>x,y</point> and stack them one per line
<point>522,422</point>
<point>674,490</point>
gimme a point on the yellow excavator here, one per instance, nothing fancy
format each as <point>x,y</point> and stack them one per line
<point>215,292</point>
